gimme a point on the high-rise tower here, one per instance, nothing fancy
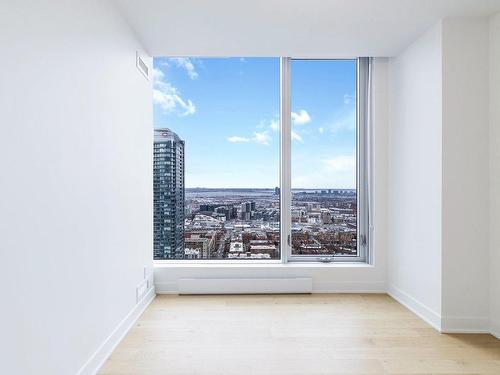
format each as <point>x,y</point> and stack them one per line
<point>168,195</point>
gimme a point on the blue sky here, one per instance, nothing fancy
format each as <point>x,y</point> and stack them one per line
<point>227,112</point>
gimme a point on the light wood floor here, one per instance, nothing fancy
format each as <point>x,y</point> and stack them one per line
<point>294,334</point>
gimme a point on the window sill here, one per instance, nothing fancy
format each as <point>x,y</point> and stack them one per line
<point>271,264</point>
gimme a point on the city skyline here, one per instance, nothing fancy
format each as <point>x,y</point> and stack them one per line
<point>241,96</point>
<point>241,223</point>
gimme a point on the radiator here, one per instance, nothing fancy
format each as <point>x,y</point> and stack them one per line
<point>245,286</point>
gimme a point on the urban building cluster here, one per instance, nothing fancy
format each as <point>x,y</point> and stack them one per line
<point>201,223</point>
<point>324,222</point>
<point>232,224</point>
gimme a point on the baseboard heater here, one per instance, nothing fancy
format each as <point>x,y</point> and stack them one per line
<point>245,286</point>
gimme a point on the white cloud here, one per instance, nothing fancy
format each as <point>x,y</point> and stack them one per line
<point>274,125</point>
<point>237,139</point>
<point>341,163</point>
<point>270,124</point>
<point>262,138</point>
<point>297,137</point>
<point>185,63</point>
<point>321,130</point>
<point>165,100</point>
<point>157,74</point>
<point>348,98</point>
<point>262,134</point>
<point>337,172</point>
<point>169,98</point>
<point>347,122</point>
<point>189,107</point>
<point>301,118</point>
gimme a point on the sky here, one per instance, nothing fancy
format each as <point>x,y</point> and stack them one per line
<point>227,112</point>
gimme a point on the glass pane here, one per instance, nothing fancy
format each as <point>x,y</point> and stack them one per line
<point>324,198</point>
<point>216,150</point>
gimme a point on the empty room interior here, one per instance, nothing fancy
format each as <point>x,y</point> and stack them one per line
<point>261,187</point>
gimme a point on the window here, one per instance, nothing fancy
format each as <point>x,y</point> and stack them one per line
<point>217,130</point>
<point>260,159</point>
<point>323,168</point>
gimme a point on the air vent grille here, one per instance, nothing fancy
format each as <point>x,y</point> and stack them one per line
<point>142,66</point>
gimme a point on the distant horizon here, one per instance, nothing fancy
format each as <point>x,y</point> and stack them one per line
<point>250,188</point>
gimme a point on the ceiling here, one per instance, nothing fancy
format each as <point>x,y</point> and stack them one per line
<point>297,28</point>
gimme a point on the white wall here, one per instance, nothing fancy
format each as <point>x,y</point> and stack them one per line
<point>465,175</point>
<point>414,203</point>
<point>495,173</point>
<point>326,278</point>
<point>75,192</point>
<point>439,177</point>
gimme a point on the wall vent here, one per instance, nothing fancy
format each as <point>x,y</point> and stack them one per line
<point>142,66</point>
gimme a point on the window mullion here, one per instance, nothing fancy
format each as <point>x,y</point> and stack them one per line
<point>363,181</point>
<point>285,158</point>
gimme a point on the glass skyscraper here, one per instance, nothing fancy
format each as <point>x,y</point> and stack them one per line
<point>168,195</point>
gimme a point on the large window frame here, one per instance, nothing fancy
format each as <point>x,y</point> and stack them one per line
<point>285,171</point>
<point>362,170</point>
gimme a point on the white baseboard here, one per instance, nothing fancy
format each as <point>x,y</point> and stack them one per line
<point>424,312</point>
<point>106,348</point>
<point>495,329</point>
<point>349,287</point>
<point>453,324</point>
